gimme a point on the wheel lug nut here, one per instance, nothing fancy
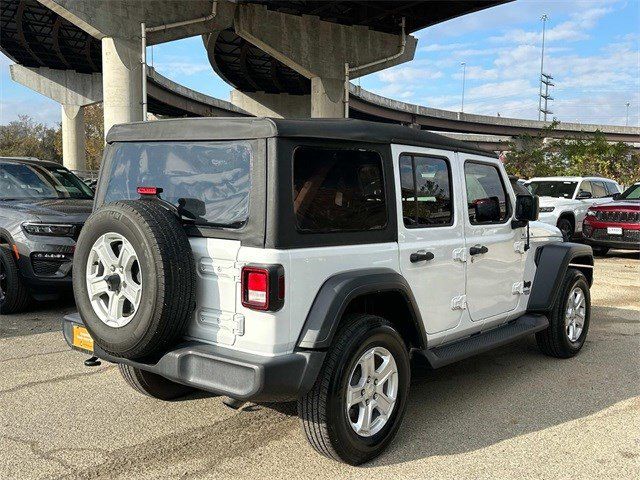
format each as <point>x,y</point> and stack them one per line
<point>362,393</point>
<point>367,402</point>
<point>375,382</point>
<point>375,396</point>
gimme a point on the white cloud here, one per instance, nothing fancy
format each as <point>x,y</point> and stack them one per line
<point>574,29</point>
<point>408,74</point>
<point>182,68</point>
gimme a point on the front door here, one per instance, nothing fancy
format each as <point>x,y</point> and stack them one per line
<point>430,231</point>
<point>494,265</point>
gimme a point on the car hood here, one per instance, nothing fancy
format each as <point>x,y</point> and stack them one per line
<point>555,202</point>
<point>55,210</point>
<point>633,205</point>
<point>541,230</point>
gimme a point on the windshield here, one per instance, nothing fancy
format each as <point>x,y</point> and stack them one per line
<point>209,181</point>
<point>22,181</point>
<point>557,189</point>
<point>631,193</point>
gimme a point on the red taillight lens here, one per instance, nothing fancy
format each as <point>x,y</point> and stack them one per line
<point>149,190</point>
<point>263,287</point>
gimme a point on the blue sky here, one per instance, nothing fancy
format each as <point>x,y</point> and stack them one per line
<point>593,52</point>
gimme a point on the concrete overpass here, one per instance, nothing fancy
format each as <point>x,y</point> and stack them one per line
<point>65,52</point>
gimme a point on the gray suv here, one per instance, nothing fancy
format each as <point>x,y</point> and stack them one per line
<point>42,209</point>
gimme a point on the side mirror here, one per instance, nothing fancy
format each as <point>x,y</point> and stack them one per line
<point>527,208</point>
<point>583,195</point>
<point>615,196</point>
<point>487,210</point>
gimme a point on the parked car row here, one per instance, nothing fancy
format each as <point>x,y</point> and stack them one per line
<point>43,207</point>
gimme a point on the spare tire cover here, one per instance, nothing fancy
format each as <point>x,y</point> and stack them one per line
<point>134,278</point>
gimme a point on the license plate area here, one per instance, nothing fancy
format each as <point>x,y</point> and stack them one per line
<point>81,339</point>
<point>614,230</point>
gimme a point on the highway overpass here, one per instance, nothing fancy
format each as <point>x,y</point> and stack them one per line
<point>61,50</point>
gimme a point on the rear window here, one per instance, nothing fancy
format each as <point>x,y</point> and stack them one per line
<point>338,190</point>
<point>211,180</point>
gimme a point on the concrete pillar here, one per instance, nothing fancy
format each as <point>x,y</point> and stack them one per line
<point>319,50</point>
<point>73,140</point>
<point>73,91</point>
<point>327,98</point>
<point>122,81</point>
<point>263,104</point>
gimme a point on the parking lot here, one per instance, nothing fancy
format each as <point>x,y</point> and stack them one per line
<point>512,413</point>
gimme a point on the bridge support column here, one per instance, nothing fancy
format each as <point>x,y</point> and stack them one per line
<point>73,137</point>
<point>319,51</point>
<point>73,91</point>
<point>122,85</point>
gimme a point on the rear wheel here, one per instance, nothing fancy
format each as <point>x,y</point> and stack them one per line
<point>14,295</point>
<point>355,408</point>
<point>569,319</point>
<point>152,385</point>
<point>566,227</point>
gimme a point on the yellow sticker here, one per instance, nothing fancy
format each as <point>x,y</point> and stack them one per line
<point>82,339</point>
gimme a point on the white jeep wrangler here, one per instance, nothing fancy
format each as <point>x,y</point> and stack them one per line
<point>278,260</point>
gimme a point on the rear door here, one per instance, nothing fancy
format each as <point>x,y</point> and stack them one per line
<point>494,264</point>
<point>430,233</point>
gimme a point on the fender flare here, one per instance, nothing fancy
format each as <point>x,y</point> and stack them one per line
<point>552,262</point>
<point>339,290</point>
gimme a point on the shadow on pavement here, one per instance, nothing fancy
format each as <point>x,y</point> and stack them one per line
<point>516,390</point>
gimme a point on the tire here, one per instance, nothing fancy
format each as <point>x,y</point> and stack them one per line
<point>323,410</point>
<point>600,251</point>
<point>566,227</point>
<point>165,271</point>
<point>14,294</point>
<point>153,385</point>
<point>554,340</point>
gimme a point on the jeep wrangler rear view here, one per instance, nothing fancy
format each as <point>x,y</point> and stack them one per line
<point>279,260</point>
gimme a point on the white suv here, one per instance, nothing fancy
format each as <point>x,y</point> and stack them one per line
<point>564,201</point>
<point>278,260</point>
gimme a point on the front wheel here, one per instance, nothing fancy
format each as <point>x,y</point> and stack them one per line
<point>14,295</point>
<point>566,228</point>
<point>569,320</point>
<point>355,408</point>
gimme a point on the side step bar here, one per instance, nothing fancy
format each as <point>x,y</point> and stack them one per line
<point>485,341</point>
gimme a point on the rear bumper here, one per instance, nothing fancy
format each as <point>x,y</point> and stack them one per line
<point>618,245</point>
<point>224,371</point>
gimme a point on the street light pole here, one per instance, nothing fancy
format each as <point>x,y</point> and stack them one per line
<point>464,77</point>
<point>544,19</point>
<point>628,104</point>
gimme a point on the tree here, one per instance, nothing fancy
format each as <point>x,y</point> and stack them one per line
<point>588,154</point>
<point>26,138</point>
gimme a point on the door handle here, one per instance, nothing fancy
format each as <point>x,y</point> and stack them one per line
<point>421,256</point>
<point>478,249</point>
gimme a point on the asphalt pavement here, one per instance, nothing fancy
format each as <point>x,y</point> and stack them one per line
<point>509,414</point>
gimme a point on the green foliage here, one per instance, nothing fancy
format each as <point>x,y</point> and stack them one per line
<point>586,155</point>
<point>26,138</point>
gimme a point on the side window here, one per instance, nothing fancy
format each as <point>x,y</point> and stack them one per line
<point>612,188</point>
<point>585,186</point>
<point>338,190</point>
<point>598,190</point>
<point>484,182</point>
<point>426,191</point>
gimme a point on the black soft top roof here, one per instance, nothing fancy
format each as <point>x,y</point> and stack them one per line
<point>235,128</point>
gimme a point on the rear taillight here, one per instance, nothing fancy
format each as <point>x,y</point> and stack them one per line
<point>263,287</point>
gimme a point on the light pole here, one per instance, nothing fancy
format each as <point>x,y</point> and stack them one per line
<point>628,104</point>
<point>544,19</point>
<point>464,77</point>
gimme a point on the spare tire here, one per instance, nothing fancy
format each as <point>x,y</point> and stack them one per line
<point>134,278</point>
